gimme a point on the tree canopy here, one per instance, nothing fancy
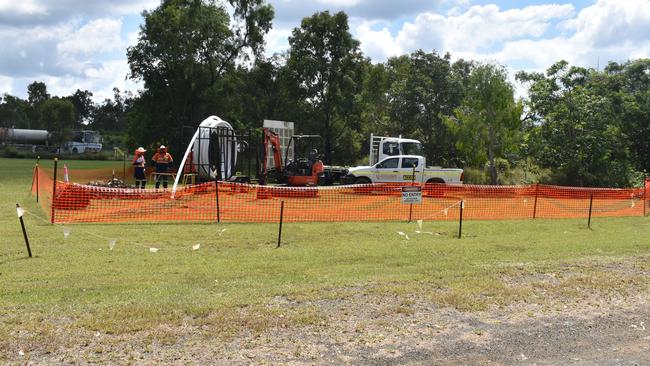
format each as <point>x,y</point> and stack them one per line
<point>424,87</point>
<point>487,125</point>
<point>578,131</point>
<point>183,49</point>
<point>58,117</point>
<point>325,66</point>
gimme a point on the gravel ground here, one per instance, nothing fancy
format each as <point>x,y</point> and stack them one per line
<point>370,330</point>
<point>362,328</point>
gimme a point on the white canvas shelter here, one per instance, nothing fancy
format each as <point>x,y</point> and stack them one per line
<point>200,144</point>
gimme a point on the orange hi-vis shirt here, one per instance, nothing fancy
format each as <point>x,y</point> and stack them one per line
<point>162,161</point>
<point>162,158</point>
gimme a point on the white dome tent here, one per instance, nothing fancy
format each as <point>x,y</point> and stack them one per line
<point>214,150</point>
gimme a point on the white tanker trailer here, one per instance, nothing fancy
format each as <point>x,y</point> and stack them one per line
<point>82,141</point>
<point>17,136</point>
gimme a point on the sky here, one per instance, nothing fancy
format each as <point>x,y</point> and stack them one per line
<point>81,44</point>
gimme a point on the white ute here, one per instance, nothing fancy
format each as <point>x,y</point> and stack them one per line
<point>399,169</point>
<point>392,160</point>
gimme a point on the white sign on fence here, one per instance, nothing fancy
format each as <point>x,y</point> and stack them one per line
<point>412,194</point>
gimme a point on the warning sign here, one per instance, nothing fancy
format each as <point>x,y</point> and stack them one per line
<point>412,194</point>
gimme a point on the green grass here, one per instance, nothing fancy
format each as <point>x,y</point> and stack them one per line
<point>79,284</point>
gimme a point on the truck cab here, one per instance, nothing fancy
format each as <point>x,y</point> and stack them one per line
<point>382,147</point>
<point>84,141</point>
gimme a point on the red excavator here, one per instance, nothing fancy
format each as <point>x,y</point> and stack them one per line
<point>302,171</point>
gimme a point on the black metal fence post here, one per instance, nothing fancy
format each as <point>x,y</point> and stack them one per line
<point>56,164</point>
<point>645,194</point>
<point>460,220</point>
<point>22,225</point>
<point>216,189</point>
<point>199,156</point>
<point>37,174</point>
<point>591,203</point>
<point>280,228</point>
<point>124,166</point>
<point>535,205</point>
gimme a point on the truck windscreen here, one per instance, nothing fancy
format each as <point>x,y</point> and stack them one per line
<point>411,148</point>
<point>92,137</point>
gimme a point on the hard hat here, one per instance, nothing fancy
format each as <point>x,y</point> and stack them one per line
<point>140,149</point>
<point>162,147</point>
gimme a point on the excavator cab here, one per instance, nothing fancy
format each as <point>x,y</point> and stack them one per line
<point>306,167</point>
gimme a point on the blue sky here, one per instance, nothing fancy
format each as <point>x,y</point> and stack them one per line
<point>73,44</point>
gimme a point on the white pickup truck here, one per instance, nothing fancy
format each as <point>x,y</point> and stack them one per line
<point>399,169</point>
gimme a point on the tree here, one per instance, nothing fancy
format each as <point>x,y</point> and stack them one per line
<point>37,95</point>
<point>374,99</point>
<point>37,92</point>
<point>424,89</point>
<point>111,114</point>
<point>325,64</point>
<point>577,131</point>
<point>58,117</point>
<point>14,112</point>
<point>628,86</point>
<point>247,96</point>
<point>83,107</point>
<point>184,48</point>
<point>487,124</point>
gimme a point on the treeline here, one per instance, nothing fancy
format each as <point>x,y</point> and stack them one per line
<point>61,115</point>
<point>574,126</point>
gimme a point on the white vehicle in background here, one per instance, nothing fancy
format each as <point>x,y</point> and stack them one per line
<point>382,147</point>
<point>403,169</point>
<point>392,160</point>
<point>84,141</point>
<point>81,141</point>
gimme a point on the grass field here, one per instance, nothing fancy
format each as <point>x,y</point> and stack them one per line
<point>77,285</point>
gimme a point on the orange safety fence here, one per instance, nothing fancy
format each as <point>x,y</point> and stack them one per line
<point>235,202</point>
<point>42,189</point>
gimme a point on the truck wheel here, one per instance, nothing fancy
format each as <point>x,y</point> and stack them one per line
<point>435,181</point>
<point>74,150</point>
<point>362,180</point>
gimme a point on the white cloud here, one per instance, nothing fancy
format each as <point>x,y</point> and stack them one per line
<point>132,38</point>
<point>132,6</point>
<point>480,27</point>
<point>99,35</point>
<point>532,37</point>
<point>342,3</point>
<point>290,12</point>
<point>277,40</point>
<point>377,44</point>
<point>62,42</point>
<point>6,85</point>
<point>609,30</point>
<point>99,79</point>
<point>24,7</point>
<point>30,13</point>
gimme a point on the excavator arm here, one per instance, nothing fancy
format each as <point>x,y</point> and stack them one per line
<point>273,139</point>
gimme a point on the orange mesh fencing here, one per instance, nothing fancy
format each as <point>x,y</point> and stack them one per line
<point>42,189</point>
<point>235,202</point>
